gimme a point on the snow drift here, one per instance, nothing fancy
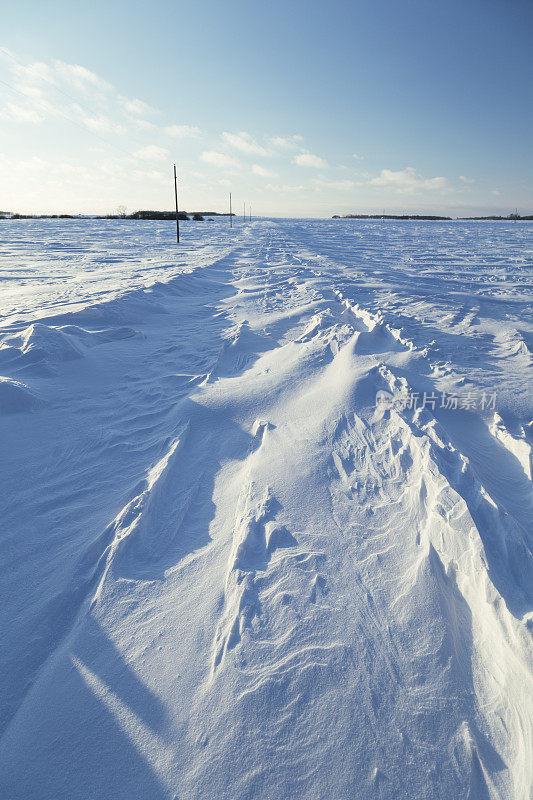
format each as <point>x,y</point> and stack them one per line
<point>229,571</point>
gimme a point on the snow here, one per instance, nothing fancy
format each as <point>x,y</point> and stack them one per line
<point>227,571</point>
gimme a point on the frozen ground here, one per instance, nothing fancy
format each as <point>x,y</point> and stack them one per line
<point>227,573</point>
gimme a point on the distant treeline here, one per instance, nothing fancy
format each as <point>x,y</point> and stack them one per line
<point>201,215</point>
<point>388,216</point>
<point>512,217</point>
<point>166,215</point>
<point>196,215</point>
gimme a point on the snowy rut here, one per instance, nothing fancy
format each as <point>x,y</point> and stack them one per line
<point>233,573</point>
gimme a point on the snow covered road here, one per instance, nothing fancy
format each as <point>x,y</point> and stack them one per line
<point>227,571</point>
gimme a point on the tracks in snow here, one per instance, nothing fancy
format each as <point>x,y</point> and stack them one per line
<point>338,593</point>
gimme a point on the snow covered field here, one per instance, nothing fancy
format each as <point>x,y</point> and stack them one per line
<point>227,573</point>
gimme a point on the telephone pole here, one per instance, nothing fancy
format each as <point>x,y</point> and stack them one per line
<point>176,196</point>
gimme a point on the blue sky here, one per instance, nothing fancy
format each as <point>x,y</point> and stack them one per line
<point>301,108</point>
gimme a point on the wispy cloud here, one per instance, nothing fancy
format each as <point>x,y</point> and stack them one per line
<point>343,186</point>
<point>77,76</point>
<point>60,90</point>
<point>285,188</point>
<point>98,122</point>
<point>136,107</point>
<point>262,172</point>
<point>464,179</point>
<point>152,152</point>
<point>221,160</point>
<point>182,131</point>
<point>286,142</point>
<point>407,181</point>
<point>244,143</point>
<point>20,113</point>
<point>309,160</point>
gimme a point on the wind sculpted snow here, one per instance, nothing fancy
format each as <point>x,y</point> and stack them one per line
<point>267,511</point>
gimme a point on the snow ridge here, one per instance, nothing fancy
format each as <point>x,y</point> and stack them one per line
<point>244,577</point>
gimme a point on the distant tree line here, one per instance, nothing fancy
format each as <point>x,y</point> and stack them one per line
<point>195,215</point>
<point>147,215</point>
<point>514,216</point>
<point>388,216</point>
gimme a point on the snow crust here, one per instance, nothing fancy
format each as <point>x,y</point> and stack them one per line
<point>228,573</point>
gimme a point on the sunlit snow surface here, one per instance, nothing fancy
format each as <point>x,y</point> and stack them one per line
<point>227,573</point>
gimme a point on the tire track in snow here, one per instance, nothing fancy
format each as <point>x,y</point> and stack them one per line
<point>303,580</point>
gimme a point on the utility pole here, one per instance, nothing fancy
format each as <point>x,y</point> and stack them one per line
<point>250,217</point>
<point>176,196</point>
<point>230,214</point>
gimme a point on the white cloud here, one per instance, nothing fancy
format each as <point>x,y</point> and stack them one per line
<point>407,181</point>
<point>58,73</point>
<point>343,186</point>
<point>285,189</point>
<point>182,131</point>
<point>464,179</point>
<point>243,141</point>
<point>19,113</point>
<point>100,123</point>
<point>71,91</point>
<point>220,160</point>
<point>357,157</point>
<point>143,124</point>
<point>32,73</point>
<point>496,192</point>
<point>76,75</point>
<point>151,153</point>
<point>135,106</point>
<point>309,160</point>
<point>286,142</point>
<point>262,172</point>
